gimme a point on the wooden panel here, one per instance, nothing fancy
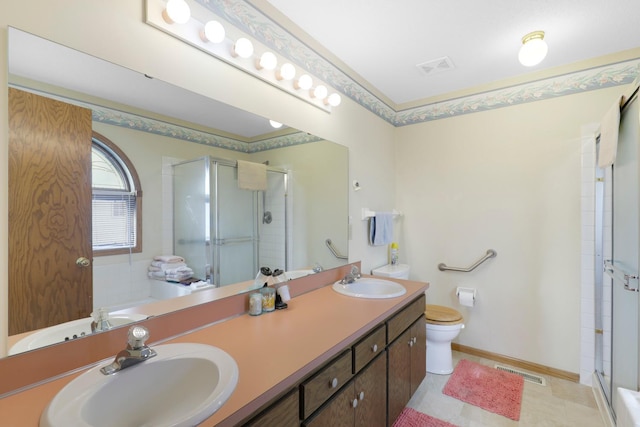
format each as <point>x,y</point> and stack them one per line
<point>418,354</point>
<point>49,212</point>
<point>368,348</point>
<point>339,412</point>
<point>397,324</point>
<point>320,387</point>
<point>372,409</point>
<point>284,413</point>
<point>399,383</point>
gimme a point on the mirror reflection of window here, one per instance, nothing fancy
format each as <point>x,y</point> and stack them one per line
<point>116,200</point>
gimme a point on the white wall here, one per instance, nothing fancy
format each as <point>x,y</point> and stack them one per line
<point>509,180</point>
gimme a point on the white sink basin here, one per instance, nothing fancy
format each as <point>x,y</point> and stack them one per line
<point>68,331</point>
<point>370,288</point>
<point>182,386</point>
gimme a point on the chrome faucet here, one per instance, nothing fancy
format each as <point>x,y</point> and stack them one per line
<point>135,352</point>
<point>100,321</point>
<point>352,276</point>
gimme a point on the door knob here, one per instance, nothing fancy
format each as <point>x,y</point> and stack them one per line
<point>83,262</point>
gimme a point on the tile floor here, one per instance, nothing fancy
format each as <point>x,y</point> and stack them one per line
<point>559,403</point>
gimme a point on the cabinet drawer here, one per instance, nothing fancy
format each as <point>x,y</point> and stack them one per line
<point>325,383</point>
<point>401,321</point>
<point>283,413</point>
<point>368,348</point>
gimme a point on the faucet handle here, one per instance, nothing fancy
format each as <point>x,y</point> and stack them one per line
<point>138,335</point>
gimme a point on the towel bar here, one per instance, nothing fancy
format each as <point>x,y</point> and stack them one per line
<point>490,254</point>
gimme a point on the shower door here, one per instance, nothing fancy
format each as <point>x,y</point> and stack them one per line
<point>234,227</point>
<point>622,269</point>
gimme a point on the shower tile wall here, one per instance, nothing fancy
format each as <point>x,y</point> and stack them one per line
<point>272,235</point>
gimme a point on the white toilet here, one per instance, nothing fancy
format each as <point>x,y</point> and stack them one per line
<point>443,325</point>
<point>398,271</point>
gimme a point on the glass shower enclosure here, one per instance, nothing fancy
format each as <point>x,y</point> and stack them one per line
<point>617,238</point>
<point>218,226</point>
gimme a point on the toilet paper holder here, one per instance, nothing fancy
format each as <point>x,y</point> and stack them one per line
<point>465,290</point>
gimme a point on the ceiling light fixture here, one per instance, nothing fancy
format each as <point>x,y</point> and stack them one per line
<point>242,48</point>
<point>268,61</point>
<point>274,124</point>
<point>533,49</point>
<point>176,12</point>
<point>213,32</point>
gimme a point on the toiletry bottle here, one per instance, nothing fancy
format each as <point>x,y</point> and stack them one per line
<point>394,253</point>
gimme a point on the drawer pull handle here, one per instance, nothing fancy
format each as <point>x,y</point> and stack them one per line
<point>415,340</point>
<point>354,403</point>
<point>375,348</point>
<point>334,383</point>
<point>361,395</point>
<point>411,342</point>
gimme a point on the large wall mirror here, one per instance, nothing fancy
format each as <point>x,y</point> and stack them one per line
<point>159,126</point>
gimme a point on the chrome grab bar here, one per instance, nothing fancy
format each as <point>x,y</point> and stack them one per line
<point>490,254</point>
<point>334,251</point>
<point>612,271</point>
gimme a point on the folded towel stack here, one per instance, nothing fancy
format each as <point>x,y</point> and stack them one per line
<point>171,268</point>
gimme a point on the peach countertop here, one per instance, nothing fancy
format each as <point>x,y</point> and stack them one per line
<point>273,351</point>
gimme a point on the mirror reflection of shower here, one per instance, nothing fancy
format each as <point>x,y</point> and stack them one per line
<point>221,229</point>
<point>266,215</point>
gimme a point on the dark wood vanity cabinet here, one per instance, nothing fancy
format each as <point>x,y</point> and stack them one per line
<point>407,367</point>
<point>362,403</point>
<point>367,385</point>
<point>283,413</point>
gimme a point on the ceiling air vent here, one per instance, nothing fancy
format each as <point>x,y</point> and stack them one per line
<point>435,66</point>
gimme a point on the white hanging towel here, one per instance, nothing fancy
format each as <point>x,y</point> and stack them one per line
<point>252,176</point>
<point>381,229</point>
<point>609,135</point>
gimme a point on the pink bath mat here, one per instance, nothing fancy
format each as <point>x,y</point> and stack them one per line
<point>412,418</point>
<point>488,388</point>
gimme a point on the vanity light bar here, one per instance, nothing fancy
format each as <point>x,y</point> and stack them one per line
<point>196,25</point>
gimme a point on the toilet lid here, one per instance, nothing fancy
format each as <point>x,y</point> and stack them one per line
<point>440,314</point>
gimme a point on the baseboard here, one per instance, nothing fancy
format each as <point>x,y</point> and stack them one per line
<point>517,363</point>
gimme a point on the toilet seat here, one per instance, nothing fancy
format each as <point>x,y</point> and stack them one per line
<point>441,315</point>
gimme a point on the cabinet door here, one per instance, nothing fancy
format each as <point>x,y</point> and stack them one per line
<point>371,392</point>
<point>399,353</point>
<point>284,413</point>
<point>339,412</point>
<point>418,354</point>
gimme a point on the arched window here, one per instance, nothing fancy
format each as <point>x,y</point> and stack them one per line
<point>117,200</point>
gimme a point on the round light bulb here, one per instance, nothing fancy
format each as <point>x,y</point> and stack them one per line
<point>242,48</point>
<point>304,82</point>
<point>177,12</point>
<point>334,100</point>
<point>268,61</point>
<point>286,72</point>
<point>533,50</point>
<point>213,32</point>
<point>320,92</point>
<point>274,124</point>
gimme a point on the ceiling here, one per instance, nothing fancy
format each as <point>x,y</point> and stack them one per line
<point>383,41</point>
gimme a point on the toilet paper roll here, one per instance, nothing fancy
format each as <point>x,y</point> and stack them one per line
<point>467,297</point>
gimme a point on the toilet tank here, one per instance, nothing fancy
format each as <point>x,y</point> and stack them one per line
<point>398,271</point>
